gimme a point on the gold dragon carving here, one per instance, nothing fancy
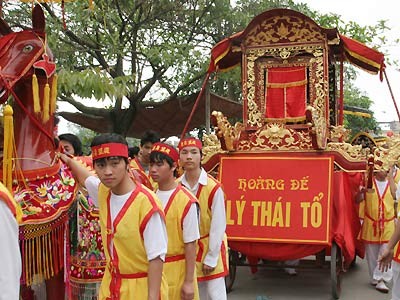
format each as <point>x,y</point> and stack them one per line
<point>387,155</point>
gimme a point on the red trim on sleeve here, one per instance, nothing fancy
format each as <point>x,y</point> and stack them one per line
<point>155,209</point>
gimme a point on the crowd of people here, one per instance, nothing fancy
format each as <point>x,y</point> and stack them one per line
<point>161,223</point>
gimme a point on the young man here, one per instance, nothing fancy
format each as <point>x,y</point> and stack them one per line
<point>71,144</point>
<point>212,263</point>
<point>378,225</point>
<point>141,163</point>
<point>10,258</point>
<point>180,208</point>
<point>132,223</point>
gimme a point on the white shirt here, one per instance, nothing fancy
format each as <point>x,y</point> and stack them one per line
<point>190,222</point>
<point>10,256</point>
<point>218,219</point>
<point>381,186</point>
<point>155,244</point>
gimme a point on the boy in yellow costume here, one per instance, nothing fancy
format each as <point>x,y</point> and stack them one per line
<point>378,225</point>
<point>212,257</point>
<point>132,223</point>
<point>180,208</point>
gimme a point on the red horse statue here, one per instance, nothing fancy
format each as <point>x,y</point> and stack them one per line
<point>41,184</point>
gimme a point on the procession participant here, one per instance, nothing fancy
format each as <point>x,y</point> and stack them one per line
<point>132,223</point>
<point>10,258</point>
<point>378,225</point>
<point>392,251</point>
<point>86,263</point>
<point>71,144</point>
<point>211,261</point>
<point>142,161</point>
<point>180,208</point>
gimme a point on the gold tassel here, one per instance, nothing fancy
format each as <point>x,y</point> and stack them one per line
<point>46,103</point>
<point>8,146</point>
<point>53,97</point>
<point>91,4</point>
<point>35,93</point>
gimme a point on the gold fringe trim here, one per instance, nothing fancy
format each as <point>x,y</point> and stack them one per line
<point>35,94</point>
<point>8,146</point>
<point>42,248</point>
<point>46,103</point>
<point>286,85</point>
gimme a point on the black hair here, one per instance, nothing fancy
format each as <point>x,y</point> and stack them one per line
<point>106,138</point>
<point>159,157</point>
<point>149,136</point>
<point>74,141</point>
<point>133,151</point>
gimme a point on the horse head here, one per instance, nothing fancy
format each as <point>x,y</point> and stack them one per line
<point>24,55</point>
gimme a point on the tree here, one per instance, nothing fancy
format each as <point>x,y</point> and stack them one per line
<point>141,53</point>
<point>356,98</point>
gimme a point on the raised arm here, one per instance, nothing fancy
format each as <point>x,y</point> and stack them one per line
<point>80,172</point>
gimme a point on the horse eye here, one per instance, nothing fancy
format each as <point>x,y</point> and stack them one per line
<point>27,49</point>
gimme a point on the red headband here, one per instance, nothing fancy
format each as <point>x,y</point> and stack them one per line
<point>166,149</point>
<point>190,142</point>
<point>110,149</point>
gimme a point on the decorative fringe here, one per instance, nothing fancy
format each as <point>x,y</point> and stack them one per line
<point>8,146</point>
<point>53,94</point>
<point>35,93</point>
<point>42,249</point>
<point>46,103</point>
<point>85,291</point>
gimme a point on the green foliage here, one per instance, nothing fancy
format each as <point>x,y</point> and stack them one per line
<point>354,97</point>
<point>152,50</point>
<point>85,135</point>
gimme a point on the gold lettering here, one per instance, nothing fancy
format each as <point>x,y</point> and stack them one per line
<point>256,205</point>
<point>266,213</point>
<point>287,220</point>
<point>305,206</point>
<point>240,208</point>
<point>229,220</point>
<point>278,215</point>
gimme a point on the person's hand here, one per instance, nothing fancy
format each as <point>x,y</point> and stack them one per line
<point>187,290</point>
<point>64,157</point>
<point>385,260</point>
<point>207,269</point>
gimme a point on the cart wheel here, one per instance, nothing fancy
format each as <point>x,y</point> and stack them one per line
<point>230,278</point>
<point>336,269</point>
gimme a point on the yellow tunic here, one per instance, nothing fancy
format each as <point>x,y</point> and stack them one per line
<point>378,225</point>
<point>126,273</point>
<point>205,196</point>
<point>175,264</point>
<point>150,183</point>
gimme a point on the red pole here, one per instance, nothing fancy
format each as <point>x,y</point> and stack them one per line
<point>341,93</point>
<point>391,93</point>
<point>195,105</point>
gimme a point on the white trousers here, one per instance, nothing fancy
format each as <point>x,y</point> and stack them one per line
<point>396,281</point>
<point>213,289</point>
<point>372,252</point>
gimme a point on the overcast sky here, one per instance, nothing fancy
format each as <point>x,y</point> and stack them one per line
<point>368,12</point>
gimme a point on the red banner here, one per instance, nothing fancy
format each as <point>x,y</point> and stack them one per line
<point>278,199</point>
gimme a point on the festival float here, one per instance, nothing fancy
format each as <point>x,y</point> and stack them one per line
<point>289,175</point>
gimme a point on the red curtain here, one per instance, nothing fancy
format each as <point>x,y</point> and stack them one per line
<point>286,94</point>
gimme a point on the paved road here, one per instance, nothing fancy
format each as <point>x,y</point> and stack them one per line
<point>310,284</point>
